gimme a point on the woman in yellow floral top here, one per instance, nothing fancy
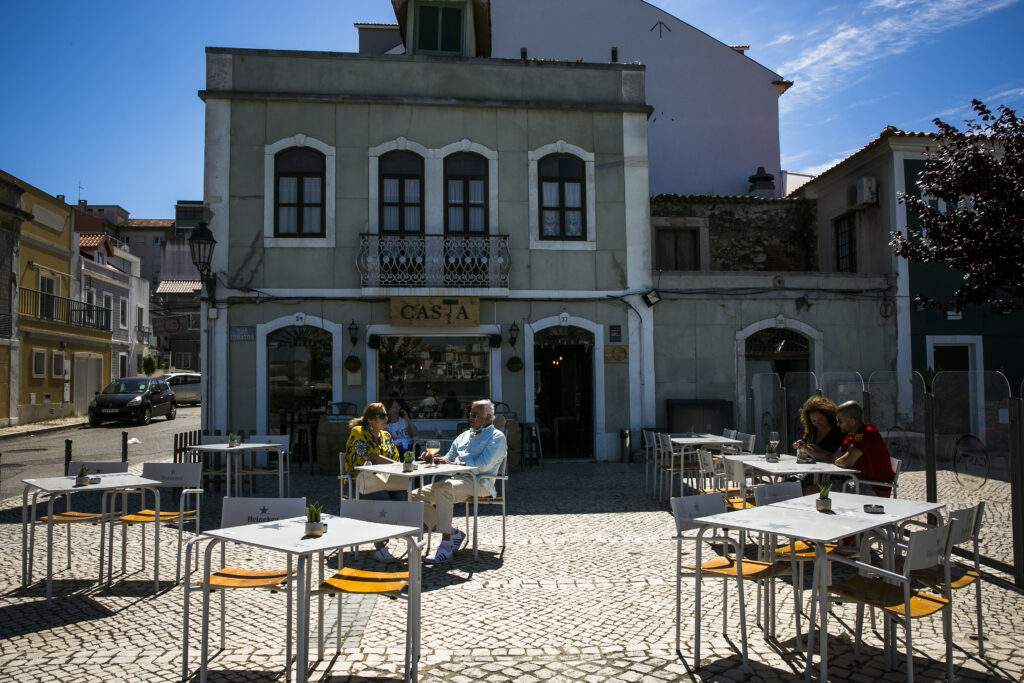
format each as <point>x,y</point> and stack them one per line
<point>370,442</point>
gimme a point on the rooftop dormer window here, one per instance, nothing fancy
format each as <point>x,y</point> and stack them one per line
<point>439,29</point>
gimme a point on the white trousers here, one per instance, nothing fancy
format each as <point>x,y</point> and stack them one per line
<point>439,501</point>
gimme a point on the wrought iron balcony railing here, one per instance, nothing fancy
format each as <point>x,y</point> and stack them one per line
<point>59,309</point>
<point>142,335</point>
<point>433,261</point>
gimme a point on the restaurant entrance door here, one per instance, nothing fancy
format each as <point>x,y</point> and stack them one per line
<point>564,391</point>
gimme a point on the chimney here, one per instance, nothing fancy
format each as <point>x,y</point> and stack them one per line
<point>762,184</point>
<point>60,198</point>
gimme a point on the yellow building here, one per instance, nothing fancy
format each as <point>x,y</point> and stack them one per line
<point>59,352</point>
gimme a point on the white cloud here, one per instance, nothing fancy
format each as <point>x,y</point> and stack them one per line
<point>856,42</point>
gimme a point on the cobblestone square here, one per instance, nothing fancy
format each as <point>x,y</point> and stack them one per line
<point>583,591</point>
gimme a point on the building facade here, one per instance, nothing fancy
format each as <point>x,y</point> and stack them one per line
<point>858,208</point>
<point>425,221</point>
<point>63,350</point>
<point>714,116</point>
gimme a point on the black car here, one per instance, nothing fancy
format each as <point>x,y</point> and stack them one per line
<point>138,399</point>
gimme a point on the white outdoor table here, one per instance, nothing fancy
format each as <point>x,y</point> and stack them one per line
<point>53,488</point>
<point>289,536</point>
<point>789,467</point>
<point>234,452</point>
<point>704,440</point>
<point>701,441</point>
<point>797,518</point>
<point>422,471</point>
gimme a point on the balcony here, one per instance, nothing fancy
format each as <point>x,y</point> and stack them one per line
<point>59,309</point>
<point>142,335</point>
<point>434,262</point>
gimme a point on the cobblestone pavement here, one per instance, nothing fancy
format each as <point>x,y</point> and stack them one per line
<point>583,591</point>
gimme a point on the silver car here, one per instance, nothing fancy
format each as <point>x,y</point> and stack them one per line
<point>185,386</point>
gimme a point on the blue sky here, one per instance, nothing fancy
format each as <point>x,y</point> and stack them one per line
<point>103,95</point>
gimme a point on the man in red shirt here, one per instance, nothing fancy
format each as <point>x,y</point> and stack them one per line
<point>863,448</point>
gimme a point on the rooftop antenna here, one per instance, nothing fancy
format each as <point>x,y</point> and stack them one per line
<point>80,188</point>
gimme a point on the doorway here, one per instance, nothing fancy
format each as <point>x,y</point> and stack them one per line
<point>563,365</point>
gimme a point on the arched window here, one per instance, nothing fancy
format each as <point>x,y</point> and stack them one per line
<point>562,204</point>
<point>401,193</point>
<point>465,182</point>
<point>299,193</point>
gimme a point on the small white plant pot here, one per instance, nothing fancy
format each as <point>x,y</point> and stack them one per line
<point>315,528</point>
<point>823,504</point>
<point>82,481</point>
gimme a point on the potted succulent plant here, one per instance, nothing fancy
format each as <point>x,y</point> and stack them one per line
<point>514,364</point>
<point>352,363</point>
<point>823,503</point>
<point>314,527</point>
<point>82,478</point>
<point>232,440</point>
<point>407,462</point>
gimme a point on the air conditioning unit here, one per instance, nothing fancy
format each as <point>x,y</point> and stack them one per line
<point>862,193</point>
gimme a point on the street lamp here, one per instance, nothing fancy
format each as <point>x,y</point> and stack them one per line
<point>201,244</point>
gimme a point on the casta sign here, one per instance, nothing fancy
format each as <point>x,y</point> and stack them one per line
<point>448,311</point>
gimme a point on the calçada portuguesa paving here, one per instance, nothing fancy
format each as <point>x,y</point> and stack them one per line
<point>584,591</point>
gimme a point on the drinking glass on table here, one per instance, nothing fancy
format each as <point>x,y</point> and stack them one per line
<point>433,447</point>
<point>773,439</point>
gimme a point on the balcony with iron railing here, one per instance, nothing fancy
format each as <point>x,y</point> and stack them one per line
<point>142,334</point>
<point>61,310</point>
<point>435,262</point>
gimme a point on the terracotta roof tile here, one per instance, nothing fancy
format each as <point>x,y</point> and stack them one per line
<point>149,223</point>
<point>91,240</point>
<point>179,287</point>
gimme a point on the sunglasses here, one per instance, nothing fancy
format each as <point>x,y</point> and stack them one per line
<point>381,416</point>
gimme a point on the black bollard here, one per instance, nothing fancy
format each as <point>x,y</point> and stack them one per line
<point>67,455</point>
<point>124,446</point>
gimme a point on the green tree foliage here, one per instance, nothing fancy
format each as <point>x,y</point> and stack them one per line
<point>149,365</point>
<point>978,175</point>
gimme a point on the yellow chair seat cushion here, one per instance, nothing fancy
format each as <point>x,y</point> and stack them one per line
<point>342,585</point>
<point>802,550</point>
<point>71,517</point>
<point>350,573</point>
<point>876,593</point>
<point>230,577</point>
<point>752,569</point>
<point>960,577</point>
<point>148,516</point>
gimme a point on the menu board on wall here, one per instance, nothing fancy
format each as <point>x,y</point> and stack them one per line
<point>446,311</point>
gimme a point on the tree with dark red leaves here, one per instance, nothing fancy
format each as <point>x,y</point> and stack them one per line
<point>977,226</point>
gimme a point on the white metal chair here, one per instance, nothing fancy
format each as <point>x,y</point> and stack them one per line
<point>283,459</point>
<point>728,566</point>
<point>500,488</point>
<point>185,476</point>
<point>965,525</point>
<point>240,512</point>
<point>712,473</point>
<point>894,594</point>
<point>360,582</point>
<point>861,484</point>
<point>737,485</point>
<point>70,516</point>
<point>650,457</point>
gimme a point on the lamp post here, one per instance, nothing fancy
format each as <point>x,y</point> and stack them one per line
<point>200,246</point>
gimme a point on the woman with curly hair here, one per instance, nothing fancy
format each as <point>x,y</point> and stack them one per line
<point>822,437</point>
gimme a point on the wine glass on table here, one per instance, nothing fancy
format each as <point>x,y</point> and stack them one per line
<point>433,447</point>
<point>773,441</point>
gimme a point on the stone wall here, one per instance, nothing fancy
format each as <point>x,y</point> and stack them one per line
<point>750,233</point>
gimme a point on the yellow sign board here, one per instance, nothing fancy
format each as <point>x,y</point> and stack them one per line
<point>434,311</point>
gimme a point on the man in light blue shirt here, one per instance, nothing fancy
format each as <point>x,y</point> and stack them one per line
<point>481,446</point>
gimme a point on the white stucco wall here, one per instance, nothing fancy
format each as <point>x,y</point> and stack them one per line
<point>715,114</point>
